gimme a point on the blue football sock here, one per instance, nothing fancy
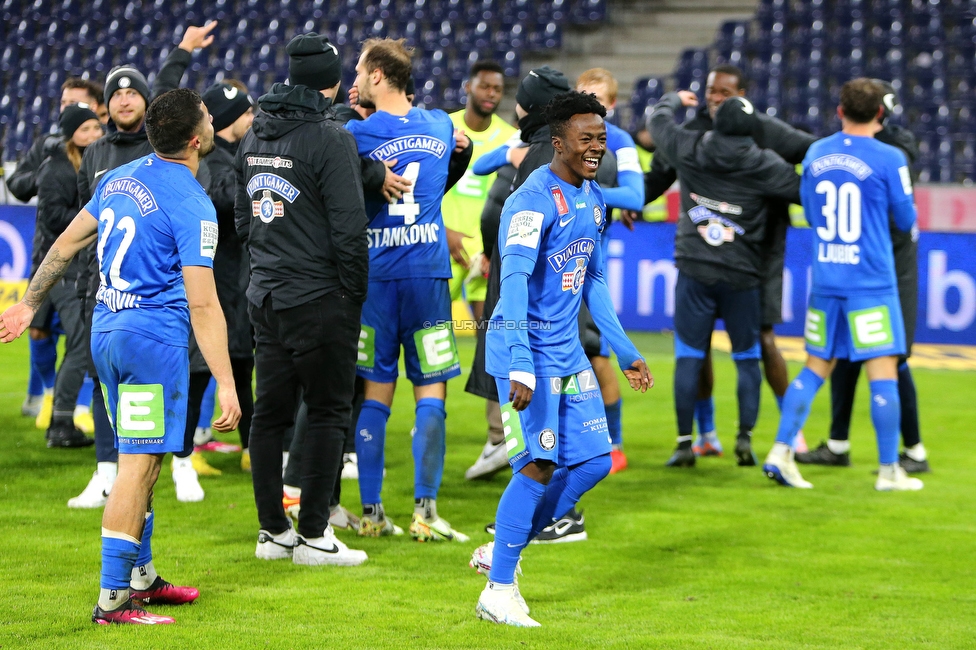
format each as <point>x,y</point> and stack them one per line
<point>85,394</point>
<point>207,405</point>
<point>118,558</point>
<point>44,356</point>
<point>779,401</point>
<point>370,446</point>
<point>35,385</point>
<point>563,496</point>
<point>428,447</point>
<point>796,404</point>
<point>513,525</point>
<point>145,549</point>
<point>705,415</point>
<point>886,417</point>
<point>613,423</point>
<point>546,512</point>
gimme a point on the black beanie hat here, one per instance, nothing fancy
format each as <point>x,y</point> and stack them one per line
<point>313,61</point>
<point>74,116</point>
<point>736,116</point>
<point>889,100</point>
<point>226,103</point>
<point>540,86</point>
<point>126,76</point>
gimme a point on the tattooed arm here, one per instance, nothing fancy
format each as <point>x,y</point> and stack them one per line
<point>80,233</point>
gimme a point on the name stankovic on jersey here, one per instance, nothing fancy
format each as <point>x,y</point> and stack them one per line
<point>418,143</point>
<point>418,233</point>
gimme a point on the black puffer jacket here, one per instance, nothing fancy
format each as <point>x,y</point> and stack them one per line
<point>726,182</point>
<point>57,206</point>
<point>298,161</point>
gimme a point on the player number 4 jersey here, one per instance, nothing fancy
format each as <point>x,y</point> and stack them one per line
<point>849,187</point>
<point>558,227</point>
<point>154,218</point>
<point>406,238</point>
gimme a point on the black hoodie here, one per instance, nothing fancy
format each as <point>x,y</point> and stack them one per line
<point>726,182</point>
<point>299,205</point>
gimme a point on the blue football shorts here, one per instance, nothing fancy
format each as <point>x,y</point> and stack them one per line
<point>145,384</point>
<point>565,423</point>
<point>414,313</point>
<point>855,327</point>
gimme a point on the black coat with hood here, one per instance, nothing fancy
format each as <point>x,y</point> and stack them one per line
<point>726,182</point>
<point>305,170</point>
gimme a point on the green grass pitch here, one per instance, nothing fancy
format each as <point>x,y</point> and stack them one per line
<point>713,557</point>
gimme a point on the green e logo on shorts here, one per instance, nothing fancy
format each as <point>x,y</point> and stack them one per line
<point>512,426</point>
<point>436,349</point>
<point>871,327</point>
<point>815,329</point>
<point>367,347</point>
<point>140,411</point>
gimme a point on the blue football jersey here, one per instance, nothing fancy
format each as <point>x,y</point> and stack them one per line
<point>849,187</point>
<point>557,226</point>
<point>154,218</point>
<point>406,238</point>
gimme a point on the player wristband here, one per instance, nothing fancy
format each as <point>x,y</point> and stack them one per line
<point>524,378</point>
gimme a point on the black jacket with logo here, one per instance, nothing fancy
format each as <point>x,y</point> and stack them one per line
<point>300,207</point>
<point>726,182</point>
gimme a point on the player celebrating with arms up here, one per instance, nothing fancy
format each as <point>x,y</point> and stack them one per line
<point>851,183</point>
<point>157,233</point>
<point>555,424</point>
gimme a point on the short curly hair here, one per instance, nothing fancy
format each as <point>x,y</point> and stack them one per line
<point>172,120</point>
<point>561,109</point>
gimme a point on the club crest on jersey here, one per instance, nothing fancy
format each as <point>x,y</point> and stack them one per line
<point>573,279</point>
<point>267,209</point>
<point>715,234</point>
<point>597,216</point>
<point>714,229</point>
<point>547,439</point>
<point>561,206</point>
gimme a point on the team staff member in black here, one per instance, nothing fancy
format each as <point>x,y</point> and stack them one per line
<point>57,205</point>
<point>232,110</point>
<point>300,210</point>
<point>723,82</point>
<point>726,181</point>
<point>843,380</point>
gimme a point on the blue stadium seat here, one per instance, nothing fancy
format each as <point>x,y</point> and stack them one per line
<point>588,11</point>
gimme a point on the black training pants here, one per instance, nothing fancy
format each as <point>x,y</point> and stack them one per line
<point>313,348</point>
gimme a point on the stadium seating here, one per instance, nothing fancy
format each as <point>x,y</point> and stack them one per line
<point>45,42</point>
<point>797,54</point>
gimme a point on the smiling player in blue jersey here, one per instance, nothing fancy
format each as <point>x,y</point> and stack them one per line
<point>555,424</point>
<point>408,301</point>
<point>156,234</point>
<point>851,183</point>
<point>628,198</point>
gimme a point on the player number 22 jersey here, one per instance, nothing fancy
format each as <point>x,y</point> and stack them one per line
<point>154,218</point>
